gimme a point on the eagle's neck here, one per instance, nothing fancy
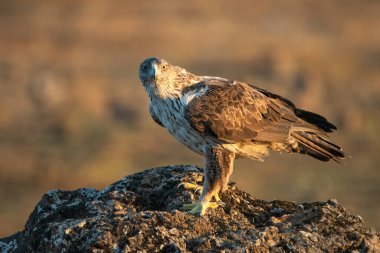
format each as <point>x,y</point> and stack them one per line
<point>172,86</point>
<point>167,104</point>
<point>169,111</point>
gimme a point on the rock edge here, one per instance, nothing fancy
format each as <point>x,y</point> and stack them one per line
<point>141,213</point>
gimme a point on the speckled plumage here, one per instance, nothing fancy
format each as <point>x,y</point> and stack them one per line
<point>224,120</point>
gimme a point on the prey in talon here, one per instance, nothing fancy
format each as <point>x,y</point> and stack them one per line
<point>223,119</point>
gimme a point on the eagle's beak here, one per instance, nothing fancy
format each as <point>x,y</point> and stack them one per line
<point>147,70</point>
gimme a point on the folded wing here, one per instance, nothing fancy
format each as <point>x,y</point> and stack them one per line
<point>235,112</point>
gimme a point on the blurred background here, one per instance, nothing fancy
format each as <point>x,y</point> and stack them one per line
<point>73,113</point>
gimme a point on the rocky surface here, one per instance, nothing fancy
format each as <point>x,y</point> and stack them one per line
<point>141,213</point>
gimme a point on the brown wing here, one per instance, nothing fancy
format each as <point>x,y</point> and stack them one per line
<point>237,112</point>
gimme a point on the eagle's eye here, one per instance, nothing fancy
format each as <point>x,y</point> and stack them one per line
<point>163,67</point>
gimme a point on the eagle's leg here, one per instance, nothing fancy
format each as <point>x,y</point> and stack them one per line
<point>217,170</point>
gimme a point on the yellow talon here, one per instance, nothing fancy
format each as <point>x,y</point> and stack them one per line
<point>191,186</point>
<point>197,188</point>
<point>213,205</point>
<point>199,209</point>
<point>217,198</point>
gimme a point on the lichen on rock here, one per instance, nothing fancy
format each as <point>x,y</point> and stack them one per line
<point>141,213</point>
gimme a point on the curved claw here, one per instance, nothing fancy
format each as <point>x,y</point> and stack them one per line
<point>198,189</point>
<point>191,186</point>
<point>221,203</point>
<point>198,209</point>
<point>194,208</point>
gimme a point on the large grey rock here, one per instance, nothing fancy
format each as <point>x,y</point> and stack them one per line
<point>140,213</point>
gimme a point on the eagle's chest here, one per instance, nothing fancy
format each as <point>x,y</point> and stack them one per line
<point>172,116</point>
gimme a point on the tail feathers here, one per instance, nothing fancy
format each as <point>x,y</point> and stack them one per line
<point>315,119</point>
<point>318,147</point>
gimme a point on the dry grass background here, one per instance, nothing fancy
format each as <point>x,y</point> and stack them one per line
<point>73,113</point>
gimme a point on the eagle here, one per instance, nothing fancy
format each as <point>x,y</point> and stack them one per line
<point>223,120</point>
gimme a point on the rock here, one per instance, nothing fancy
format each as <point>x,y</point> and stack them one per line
<point>141,213</point>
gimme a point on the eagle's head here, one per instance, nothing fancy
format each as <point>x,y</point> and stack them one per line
<point>162,79</point>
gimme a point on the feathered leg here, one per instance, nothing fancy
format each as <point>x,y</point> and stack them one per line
<point>217,171</point>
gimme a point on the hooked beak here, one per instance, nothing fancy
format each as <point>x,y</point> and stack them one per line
<point>148,69</point>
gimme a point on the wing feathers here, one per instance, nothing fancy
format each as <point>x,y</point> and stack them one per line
<point>235,112</point>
